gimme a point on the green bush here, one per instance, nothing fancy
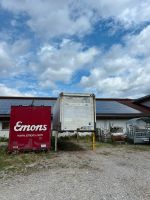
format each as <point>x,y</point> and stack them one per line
<point>3,139</point>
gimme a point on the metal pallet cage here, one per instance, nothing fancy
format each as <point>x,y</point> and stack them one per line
<point>138,130</point>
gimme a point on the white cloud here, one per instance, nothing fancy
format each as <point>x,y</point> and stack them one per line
<point>139,44</point>
<point>7,91</point>
<point>50,18</point>
<point>126,12</point>
<point>13,57</point>
<point>124,70</point>
<point>58,63</point>
<point>6,61</point>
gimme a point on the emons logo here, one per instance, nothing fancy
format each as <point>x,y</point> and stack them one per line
<point>21,127</point>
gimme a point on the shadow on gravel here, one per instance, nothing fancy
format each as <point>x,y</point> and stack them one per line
<point>67,145</point>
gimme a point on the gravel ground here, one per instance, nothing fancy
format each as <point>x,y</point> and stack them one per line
<point>106,174</point>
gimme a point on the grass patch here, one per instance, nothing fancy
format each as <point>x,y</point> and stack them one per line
<point>109,145</point>
<point>128,147</point>
<point>3,139</point>
<point>18,162</point>
<point>138,147</point>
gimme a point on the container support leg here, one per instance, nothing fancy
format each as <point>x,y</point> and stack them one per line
<point>93,141</point>
<point>56,138</point>
<point>77,136</point>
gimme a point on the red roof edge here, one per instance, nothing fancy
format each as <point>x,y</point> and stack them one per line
<point>141,99</point>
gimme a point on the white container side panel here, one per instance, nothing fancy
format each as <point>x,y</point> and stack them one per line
<point>56,115</point>
<point>77,112</point>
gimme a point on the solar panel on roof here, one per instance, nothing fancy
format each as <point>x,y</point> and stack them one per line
<point>102,107</point>
<point>5,104</point>
<point>105,107</point>
<point>43,102</point>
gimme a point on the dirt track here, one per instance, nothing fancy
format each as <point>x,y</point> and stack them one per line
<point>108,173</point>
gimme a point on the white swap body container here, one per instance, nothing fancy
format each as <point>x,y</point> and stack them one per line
<point>74,112</point>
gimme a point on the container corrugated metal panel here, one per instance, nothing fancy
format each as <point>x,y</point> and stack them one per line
<point>74,111</point>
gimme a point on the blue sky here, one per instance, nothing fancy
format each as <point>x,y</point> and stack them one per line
<point>99,46</point>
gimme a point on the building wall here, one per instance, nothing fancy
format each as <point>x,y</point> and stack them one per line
<point>3,133</point>
<point>104,124</point>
